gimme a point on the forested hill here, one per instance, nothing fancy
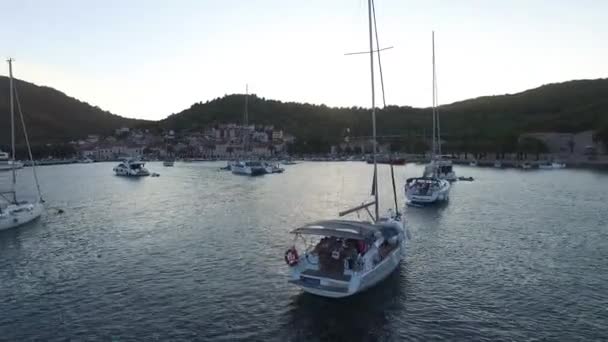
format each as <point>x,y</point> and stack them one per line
<point>52,116</point>
<point>485,123</point>
<point>491,122</point>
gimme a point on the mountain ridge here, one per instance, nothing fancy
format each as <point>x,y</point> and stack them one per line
<point>495,120</point>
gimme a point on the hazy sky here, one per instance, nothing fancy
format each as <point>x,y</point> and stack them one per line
<point>150,58</point>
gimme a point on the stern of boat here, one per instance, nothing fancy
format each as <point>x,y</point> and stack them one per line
<point>309,278</point>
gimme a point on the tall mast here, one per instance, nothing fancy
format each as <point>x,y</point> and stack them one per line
<point>12,108</point>
<point>371,60</point>
<point>246,120</point>
<point>436,104</point>
<point>434,110</point>
<point>246,104</point>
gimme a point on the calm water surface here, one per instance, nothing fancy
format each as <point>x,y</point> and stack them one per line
<point>197,254</point>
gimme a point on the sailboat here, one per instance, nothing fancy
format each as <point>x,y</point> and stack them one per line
<point>349,256</point>
<point>13,211</point>
<point>434,184</point>
<point>439,167</point>
<point>247,167</point>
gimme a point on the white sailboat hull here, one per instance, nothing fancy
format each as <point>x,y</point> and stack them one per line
<point>438,195</point>
<point>247,170</point>
<point>7,166</point>
<point>358,282</point>
<point>19,214</point>
<point>306,275</point>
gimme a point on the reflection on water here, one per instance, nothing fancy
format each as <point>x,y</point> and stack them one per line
<point>359,318</point>
<point>197,254</point>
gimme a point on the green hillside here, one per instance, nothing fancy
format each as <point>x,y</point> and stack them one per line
<point>490,123</point>
<point>52,116</point>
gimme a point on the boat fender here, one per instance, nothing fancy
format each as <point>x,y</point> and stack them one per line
<point>291,256</point>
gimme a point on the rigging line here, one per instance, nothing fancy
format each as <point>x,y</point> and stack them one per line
<point>378,50</point>
<point>27,142</point>
<point>394,190</point>
<point>367,52</point>
<point>12,109</point>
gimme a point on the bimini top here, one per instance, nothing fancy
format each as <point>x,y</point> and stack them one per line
<point>339,228</point>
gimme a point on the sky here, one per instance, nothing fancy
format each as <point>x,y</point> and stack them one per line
<point>151,58</point>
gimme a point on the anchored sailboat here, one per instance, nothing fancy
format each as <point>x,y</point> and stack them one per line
<point>434,184</point>
<point>351,256</point>
<point>13,211</point>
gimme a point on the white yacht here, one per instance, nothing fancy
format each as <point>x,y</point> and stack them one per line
<point>272,168</point>
<point>498,164</point>
<point>248,168</point>
<point>13,211</point>
<point>473,163</point>
<point>131,168</point>
<point>525,165</point>
<point>85,160</point>
<point>351,256</point>
<point>440,168</point>
<point>551,166</point>
<point>427,190</point>
<point>6,164</point>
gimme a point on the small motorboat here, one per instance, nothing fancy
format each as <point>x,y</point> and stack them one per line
<point>525,165</point>
<point>551,166</point>
<point>6,164</point>
<point>466,179</point>
<point>131,168</point>
<point>272,168</point>
<point>248,168</point>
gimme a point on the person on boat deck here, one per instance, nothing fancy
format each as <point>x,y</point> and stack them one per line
<point>361,247</point>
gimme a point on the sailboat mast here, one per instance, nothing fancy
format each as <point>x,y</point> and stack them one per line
<point>436,104</point>
<point>246,120</point>
<point>12,108</point>
<point>371,60</point>
<point>246,104</point>
<point>434,109</point>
